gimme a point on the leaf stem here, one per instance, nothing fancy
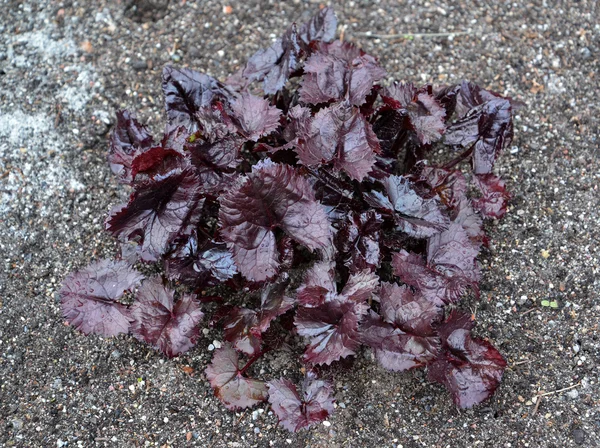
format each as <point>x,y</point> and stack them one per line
<point>460,158</point>
<point>251,361</point>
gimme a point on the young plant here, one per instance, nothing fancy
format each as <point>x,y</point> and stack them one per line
<point>313,203</point>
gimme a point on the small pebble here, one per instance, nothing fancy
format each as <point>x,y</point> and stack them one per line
<point>579,436</point>
<point>139,65</point>
<point>573,394</point>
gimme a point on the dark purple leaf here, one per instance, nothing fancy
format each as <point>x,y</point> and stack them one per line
<point>360,286</point>
<point>128,139</point>
<point>494,197</point>
<point>394,349</point>
<point>244,327</point>
<point>235,390</point>
<point>470,95</point>
<point>216,162</point>
<point>338,133</point>
<point>319,285</point>
<point>186,92</point>
<point>320,27</point>
<point>275,63</point>
<point>199,262</point>
<point>358,241</point>
<point>158,212</point>
<point>408,311</point>
<point>433,285</point>
<point>447,97</point>
<point>470,368</point>
<point>450,185</point>
<point>425,113</point>
<point>427,118</point>
<point>488,127</point>
<point>214,122</point>
<point>168,326</point>
<point>329,77</point>
<point>272,195</point>
<point>256,117</point>
<point>470,221</point>
<point>296,412</point>
<point>454,254</point>
<point>89,297</point>
<point>413,214</point>
<point>332,329</point>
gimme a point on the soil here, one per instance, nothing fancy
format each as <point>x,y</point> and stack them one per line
<point>67,66</point>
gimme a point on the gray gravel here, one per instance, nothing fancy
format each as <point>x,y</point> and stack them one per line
<point>65,67</point>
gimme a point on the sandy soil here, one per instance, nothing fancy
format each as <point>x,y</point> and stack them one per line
<point>65,67</point>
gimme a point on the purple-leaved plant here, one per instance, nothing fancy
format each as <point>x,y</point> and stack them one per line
<point>315,202</point>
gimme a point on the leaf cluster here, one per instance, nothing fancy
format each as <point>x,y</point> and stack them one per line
<point>315,203</point>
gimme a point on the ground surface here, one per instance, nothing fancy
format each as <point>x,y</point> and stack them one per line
<point>65,67</point>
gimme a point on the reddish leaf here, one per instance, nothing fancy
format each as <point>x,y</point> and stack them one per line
<point>450,185</point>
<point>156,162</point>
<point>256,117</point>
<point>89,297</point>
<point>318,286</point>
<point>158,212</point>
<point>494,197</point>
<point>296,412</point>
<point>272,195</point>
<point>235,390</point>
<point>433,285</point>
<point>338,133</point>
<point>332,329</point>
<point>168,326</point>
<point>360,286</point>
<point>470,368</point>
